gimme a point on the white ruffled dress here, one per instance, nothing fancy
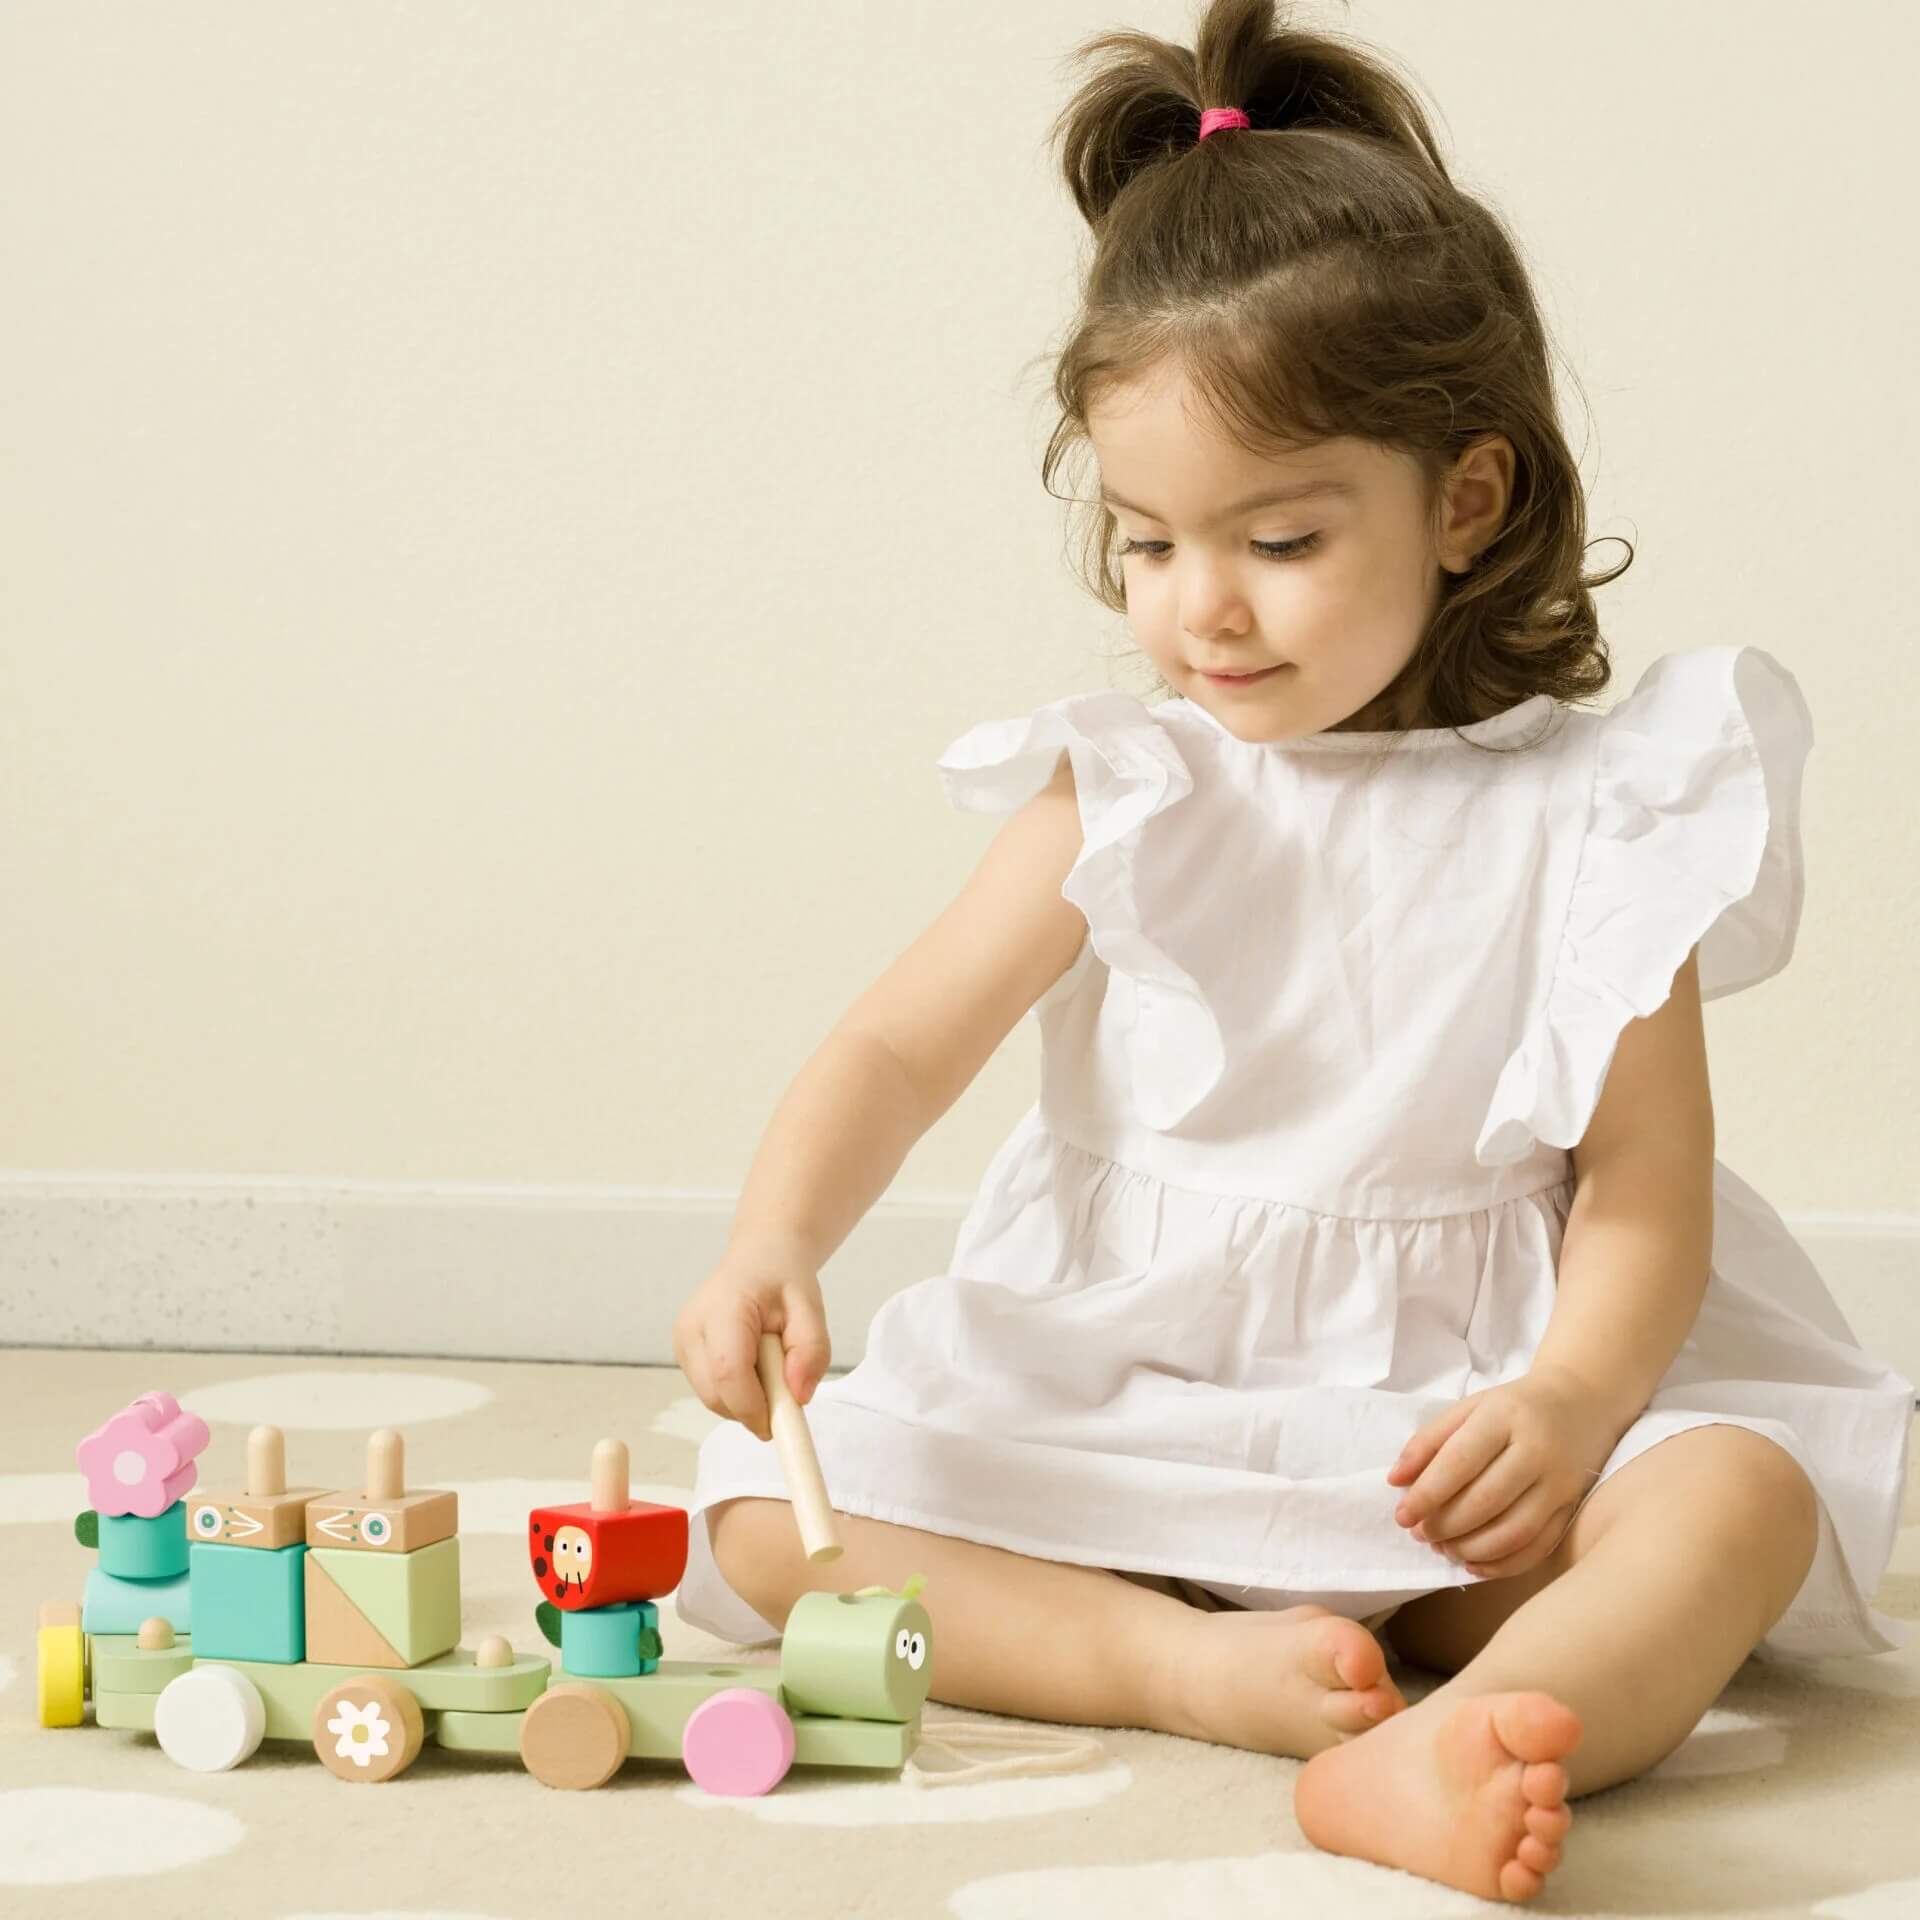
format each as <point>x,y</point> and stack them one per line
<point>1299,1170</point>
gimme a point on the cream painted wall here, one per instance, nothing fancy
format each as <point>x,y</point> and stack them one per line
<point>504,505</point>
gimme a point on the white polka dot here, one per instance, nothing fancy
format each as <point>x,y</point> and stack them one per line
<point>129,1468</point>
<point>888,1801</point>
<point>1723,1742</point>
<point>1254,1888</point>
<point>337,1401</point>
<point>30,1498</point>
<point>50,1836</point>
<point>1890,1900</point>
<point>687,1419</point>
<point>505,1506</point>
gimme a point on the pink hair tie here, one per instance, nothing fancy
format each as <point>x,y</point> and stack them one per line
<point>1217,117</point>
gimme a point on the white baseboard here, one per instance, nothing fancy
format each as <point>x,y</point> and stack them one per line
<point>580,1274</point>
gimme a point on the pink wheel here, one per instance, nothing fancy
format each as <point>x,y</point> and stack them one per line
<point>739,1741</point>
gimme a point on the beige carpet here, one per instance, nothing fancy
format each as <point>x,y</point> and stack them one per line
<point>1799,1794</point>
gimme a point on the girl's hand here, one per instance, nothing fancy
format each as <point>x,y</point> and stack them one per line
<point>761,1287</point>
<point>1497,1477</point>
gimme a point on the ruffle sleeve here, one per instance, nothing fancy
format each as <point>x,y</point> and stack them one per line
<point>1126,769</point>
<point>1692,837</point>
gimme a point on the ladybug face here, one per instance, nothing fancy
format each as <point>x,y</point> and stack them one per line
<point>572,1552</point>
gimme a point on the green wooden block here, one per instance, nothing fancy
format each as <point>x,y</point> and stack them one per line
<point>132,1711</point>
<point>138,1548</point>
<point>249,1603</point>
<point>821,1742</point>
<point>122,1665</point>
<point>452,1683</point>
<point>110,1604</point>
<point>412,1600</point>
<point>461,1732</point>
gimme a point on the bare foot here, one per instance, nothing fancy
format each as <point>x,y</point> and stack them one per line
<point>1293,1682</point>
<point>1470,1792</point>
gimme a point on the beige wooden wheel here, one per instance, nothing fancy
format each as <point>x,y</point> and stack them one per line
<point>369,1728</point>
<point>575,1736</point>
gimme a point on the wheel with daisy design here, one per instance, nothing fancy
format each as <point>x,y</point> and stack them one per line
<point>369,1728</point>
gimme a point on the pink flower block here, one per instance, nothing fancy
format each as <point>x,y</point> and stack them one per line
<point>141,1461</point>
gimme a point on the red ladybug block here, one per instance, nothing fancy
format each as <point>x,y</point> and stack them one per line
<point>600,1552</point>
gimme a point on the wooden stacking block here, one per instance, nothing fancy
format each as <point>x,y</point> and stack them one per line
<point>135,1547</point>
<point>112,1605</point>
<point>609,1549</point>
<point>382,1609</point>
<point>142,1460</point>
<point>610,1642</point>
<point>385,1517</point>
<point>267,1513</point>
<point>249,1602</point>
<point>122,1665</point>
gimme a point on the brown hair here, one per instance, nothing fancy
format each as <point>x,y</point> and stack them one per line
<point>1318,274</point>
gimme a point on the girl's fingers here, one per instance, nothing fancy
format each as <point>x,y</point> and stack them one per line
<point>1482,1501</point>
<point>736,1378</point>
<point>1426,1443</point>
<point>1529,1520</point>
<point>806,1345</point>
<point>1459,1460</point>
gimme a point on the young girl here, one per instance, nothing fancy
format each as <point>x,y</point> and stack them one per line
<point>1364,1265</point>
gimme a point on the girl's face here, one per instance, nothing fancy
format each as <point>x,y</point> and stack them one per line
<point>1333,586</point>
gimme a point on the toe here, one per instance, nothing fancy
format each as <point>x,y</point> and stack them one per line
<point>1544,1783</point>
<point>1345,1654</point>
<point>1549,1823</point>
<point>1353,1710</point>
<point>1518,1882</point>
<point>1536,1726</point>
<point>1536,1854</point>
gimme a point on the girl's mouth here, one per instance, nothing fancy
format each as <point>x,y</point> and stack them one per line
<point>1240,679</point>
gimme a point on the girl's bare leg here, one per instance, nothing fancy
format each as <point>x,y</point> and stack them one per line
<point>1047,1641</point>
<point>1678,1566</point>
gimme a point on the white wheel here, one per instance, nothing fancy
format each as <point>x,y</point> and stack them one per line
<point>209,1718</point>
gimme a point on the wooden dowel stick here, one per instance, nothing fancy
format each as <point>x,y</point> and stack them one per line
<point>794,1442</point>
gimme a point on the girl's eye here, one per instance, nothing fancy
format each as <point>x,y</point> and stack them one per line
<point>1154,551</point>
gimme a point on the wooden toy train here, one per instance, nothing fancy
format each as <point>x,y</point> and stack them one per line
<point>294,1613</point>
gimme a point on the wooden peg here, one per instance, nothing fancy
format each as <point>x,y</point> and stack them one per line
<point>156,1633</point>
<point>793,1440</point>
<point>266,1463</point>
<point>386,1465</point>
<point>610,1477</point>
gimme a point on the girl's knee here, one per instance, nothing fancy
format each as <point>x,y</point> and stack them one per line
<point>757,1549</point>
<point>1758,1482</point>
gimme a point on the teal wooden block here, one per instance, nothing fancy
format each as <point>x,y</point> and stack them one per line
<point>110,1604</point>
<point>617,1642</point>
<point>249,1603</point>
<point>133,1547</point>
